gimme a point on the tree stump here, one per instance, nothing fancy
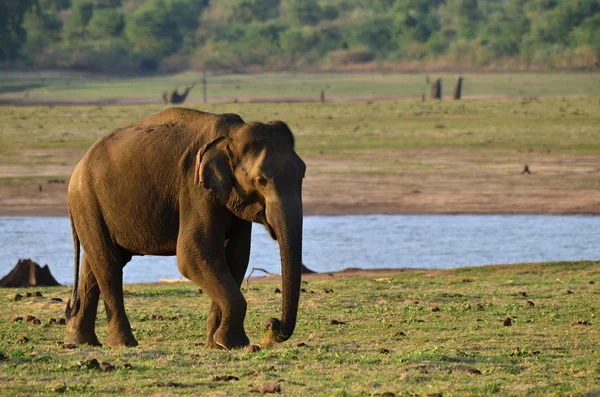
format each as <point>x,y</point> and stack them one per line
<point>27,273</point>
<point>458,88</point>
<point>436,89</point>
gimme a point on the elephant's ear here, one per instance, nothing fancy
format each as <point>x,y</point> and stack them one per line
<point>214,168</point>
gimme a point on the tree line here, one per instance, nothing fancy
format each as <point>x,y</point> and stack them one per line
<point>132,36</point>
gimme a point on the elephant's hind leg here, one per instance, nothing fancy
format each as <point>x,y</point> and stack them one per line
<point>110,281</point>
<point>81,324</point>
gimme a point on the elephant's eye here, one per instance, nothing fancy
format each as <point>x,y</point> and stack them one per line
<point>260,181</point>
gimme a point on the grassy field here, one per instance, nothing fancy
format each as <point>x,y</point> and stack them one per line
<point>457,156</point>
<point>84,88</point>
<point>412,333</point>
<point>41,135</point>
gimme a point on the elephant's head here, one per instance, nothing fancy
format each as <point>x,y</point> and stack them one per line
<point>256,173</point>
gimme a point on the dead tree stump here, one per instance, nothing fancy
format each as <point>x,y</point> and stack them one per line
<point>27,273</point>
<point>176,98</point>
<point>436,89</point>
<point>458,88</point>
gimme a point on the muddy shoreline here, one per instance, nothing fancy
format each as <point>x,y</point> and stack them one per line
<point>27,201</point>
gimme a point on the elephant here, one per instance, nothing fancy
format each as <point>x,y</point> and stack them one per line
<point>187,183</point>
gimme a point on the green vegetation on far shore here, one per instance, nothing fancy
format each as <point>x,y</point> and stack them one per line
<point>410,333</point>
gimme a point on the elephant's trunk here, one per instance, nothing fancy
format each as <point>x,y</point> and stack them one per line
<point>285,217</point>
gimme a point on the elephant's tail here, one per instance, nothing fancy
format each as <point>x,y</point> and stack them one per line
<point>73,303</point>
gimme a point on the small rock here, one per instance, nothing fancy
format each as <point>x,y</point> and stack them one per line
<point>508,322</point>
<point>199,292</point>
<point>128,366</point>
<point>3,357</point>
<point>530,303</point>
<point>28,294</point>
<point>37,321</point>
<point>473,371</point>
<point>434,395</point>
<point>52,321</point>
<point>303,290</point>
<point>479,307</point>
<point>174,318</point>
<point>16,297</point>
<point>301,344</point>
<point>592,282</point>
<point>584,322</point>
<point>336,322</point>
<point>91,363</point>
<point>523,293</point>
<point>69,346</point>
<point>277,291</point>
<point>56,299</point>
<point>106,367</point>
<point>267,388</point>
<point>22,339</point>
<point>38,294</point>
<point>399,333</point>
<point>30,318</point>
<point>384,351</point>
<point>62,321</point>
<point>569,292</point>
<point>16,319</point>
<point>434,309</point>
<point>224,378</point>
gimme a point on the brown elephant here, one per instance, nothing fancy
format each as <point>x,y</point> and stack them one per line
<point>185,183</point>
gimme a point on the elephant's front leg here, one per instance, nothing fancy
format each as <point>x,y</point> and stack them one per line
<point>208,269</point>
<point>237,253</point>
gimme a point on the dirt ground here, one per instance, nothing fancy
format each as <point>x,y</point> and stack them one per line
<point>443,182</point>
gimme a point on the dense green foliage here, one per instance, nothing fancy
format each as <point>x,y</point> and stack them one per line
<point>235,35</point>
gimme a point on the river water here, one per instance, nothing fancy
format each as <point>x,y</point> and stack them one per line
<point>336,242</point>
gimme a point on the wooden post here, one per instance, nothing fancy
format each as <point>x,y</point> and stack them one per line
<point>436,89</point>
<point>322,96</point>
<point>458,88</point>
<point>204,84</point>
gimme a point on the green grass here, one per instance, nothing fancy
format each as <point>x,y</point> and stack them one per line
<point>569,125</point>
<point>85,87</point>
<point>550,349</point>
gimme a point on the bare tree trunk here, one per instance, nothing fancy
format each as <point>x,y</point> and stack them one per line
<point>204,84</point>
<point>458,88</point>
<point>436,89</point>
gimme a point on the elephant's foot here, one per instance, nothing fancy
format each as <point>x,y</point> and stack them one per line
<point>122,340</point>
<point>81,338</point>
<point>230,340</point>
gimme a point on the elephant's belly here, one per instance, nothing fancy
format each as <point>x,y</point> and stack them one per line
<point>148,236</point>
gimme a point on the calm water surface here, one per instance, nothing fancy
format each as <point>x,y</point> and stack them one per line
<point>336,242</point>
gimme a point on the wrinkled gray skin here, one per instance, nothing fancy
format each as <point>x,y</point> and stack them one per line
<point>190,184</point>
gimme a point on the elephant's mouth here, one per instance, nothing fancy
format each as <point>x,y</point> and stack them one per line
<point>270,229</point>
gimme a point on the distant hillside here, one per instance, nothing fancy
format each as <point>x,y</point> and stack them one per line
<point>133,36</point>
